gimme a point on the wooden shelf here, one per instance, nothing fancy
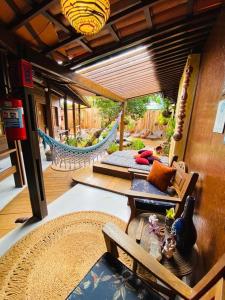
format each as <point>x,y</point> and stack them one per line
<point>6,152</point>
<point>4,174</point>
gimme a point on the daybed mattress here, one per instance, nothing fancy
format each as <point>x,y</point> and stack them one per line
<point>126,159</point>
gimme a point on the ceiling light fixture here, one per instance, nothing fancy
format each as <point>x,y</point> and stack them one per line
<point>87,16</point>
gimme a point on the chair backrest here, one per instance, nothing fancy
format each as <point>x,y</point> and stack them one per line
<point>211,286</point>
<point>184,182</point>
<point>217,292</point>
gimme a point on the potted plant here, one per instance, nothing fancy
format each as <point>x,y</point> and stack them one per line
<point>170,218</point>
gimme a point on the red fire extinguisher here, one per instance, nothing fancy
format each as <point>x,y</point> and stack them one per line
<point>13,117</point>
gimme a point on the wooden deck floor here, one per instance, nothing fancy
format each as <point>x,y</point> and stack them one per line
<point>56,184</point>
<point>109,183</point>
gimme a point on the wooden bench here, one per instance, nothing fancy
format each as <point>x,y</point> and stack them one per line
<point>184,183</point>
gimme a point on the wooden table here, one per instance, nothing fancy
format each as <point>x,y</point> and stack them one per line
<point>179,264</point>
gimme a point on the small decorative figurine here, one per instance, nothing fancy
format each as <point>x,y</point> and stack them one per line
<point>153,224</point>
<point>155,236</point>
<point>169,247</point>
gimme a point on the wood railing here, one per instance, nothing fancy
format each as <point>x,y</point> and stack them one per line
<point>12,149</point>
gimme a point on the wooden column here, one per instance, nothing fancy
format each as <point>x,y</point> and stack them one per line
<point>15,157</point>
<point>122,125</point>
<point>31,151</point>
<point>48,100</point>
<point>74,119</point>
<point>66,114</point>
<point>79,115</point>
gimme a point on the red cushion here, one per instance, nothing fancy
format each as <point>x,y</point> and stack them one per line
<point>146,153</point>
<point>142,161</point>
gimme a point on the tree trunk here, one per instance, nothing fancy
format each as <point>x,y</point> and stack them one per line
<point>96,135</point>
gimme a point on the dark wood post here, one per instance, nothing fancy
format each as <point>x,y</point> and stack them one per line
<point>49,115</point>
<point>30,148</point>
<point>66,114</point>
<point>122,126</point>
<point>74,119</point>
<point>15,157</point>
<point>79,116</point>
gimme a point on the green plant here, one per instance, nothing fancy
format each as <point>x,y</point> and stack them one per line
<point>170,128</point>
<point>113,148</point>
<point>162,120</point>
<point>137,107</point>
<point>170,213</point>
<point>108,109</point>
<point>137,144</point>
<point>72,142</point>
<point>131,124</point>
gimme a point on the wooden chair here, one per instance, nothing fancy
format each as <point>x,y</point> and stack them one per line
<point>144,196</point>
<point>110,279</point>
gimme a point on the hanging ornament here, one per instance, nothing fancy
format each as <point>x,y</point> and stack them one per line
<point>87,16</point>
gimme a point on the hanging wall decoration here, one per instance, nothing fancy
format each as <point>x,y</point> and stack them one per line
<point>87,16</point>
<point>182,109</point>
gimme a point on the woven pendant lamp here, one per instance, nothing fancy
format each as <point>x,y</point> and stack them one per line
<point>87,16</point>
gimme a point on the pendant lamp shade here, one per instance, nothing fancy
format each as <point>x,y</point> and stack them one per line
<point>87,16</point>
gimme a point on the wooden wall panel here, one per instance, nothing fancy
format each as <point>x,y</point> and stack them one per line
<point>149,122</point>
<point>90,118</point>
<point>205,151</point>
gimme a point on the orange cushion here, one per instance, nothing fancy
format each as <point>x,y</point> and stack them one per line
<point>160,175</point>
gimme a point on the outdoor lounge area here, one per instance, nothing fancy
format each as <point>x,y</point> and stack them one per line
<point>112,149</point>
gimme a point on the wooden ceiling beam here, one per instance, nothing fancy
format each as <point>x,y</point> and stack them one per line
<point>123,13</point>
<point>36,10</point>
<point>96,88</point>
<point>190,5</point>
<point>53,19</point>
<point>113,33</point>
<point>51,67</point>
<point>85,45</point>
<point>138,39</point>
<point>193,37</point>
<point>191,43</point>
<point>134,58</point>
<point>148,17</point>
<point>29,27</point>
<point>57,23</point>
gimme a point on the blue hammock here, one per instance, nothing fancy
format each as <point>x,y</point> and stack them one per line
<point>70,158</point>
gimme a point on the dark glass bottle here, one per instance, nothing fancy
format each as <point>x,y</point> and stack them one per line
<point>184,228</point>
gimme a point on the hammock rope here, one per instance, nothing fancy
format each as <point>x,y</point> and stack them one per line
<point>67,157</point>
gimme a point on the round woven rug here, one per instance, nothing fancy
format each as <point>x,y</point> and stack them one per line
<point>51,260</point>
